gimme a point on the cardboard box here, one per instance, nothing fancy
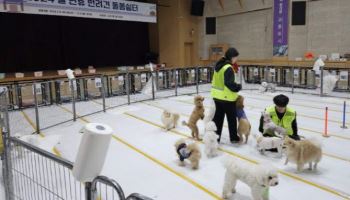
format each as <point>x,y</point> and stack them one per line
<point>335,56</point>
<point>91,71</point>
<point>77,71</point>
<point>122,68</point>
<point>38,74</point>
<point>19,75</point>
<point>140,67</point>
<point>61,72</point>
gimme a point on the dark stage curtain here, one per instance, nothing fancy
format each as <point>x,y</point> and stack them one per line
<point>37,42</point>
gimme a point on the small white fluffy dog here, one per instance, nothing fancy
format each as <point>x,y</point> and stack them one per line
<point>264,87</point>
<point>169,119</point>
<point>263,143</point>
<point>259,178</point>
<point>329,82</point>
<point>270,126</point>
<point>210,140</point>
<point>209,113</point>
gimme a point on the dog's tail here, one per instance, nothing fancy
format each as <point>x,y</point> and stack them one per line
<point>315,141</point>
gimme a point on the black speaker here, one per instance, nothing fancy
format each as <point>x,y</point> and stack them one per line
<point>210,25</point>
<point>197,7</point>
<point>298,12</point>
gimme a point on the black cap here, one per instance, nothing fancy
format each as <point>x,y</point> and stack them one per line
<point>230,53</point>
<point>281,100</point>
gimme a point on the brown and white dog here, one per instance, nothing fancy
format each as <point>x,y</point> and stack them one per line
<point>244,126</point>
<point>188,150</point>
<point>197,114</point>
<point>302,152</point>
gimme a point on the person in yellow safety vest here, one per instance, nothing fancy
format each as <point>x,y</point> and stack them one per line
<point>283,116</point>
<point>224,91</point>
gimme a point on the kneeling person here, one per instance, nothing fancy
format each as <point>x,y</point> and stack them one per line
<point>281,115</point>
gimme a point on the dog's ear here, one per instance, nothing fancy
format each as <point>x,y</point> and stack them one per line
<point>261,179</point>
<point>290,142</point>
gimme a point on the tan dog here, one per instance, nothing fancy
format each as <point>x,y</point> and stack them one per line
<point>197,113</point>
<point>188,151</point>
<point>244,126</point>
<point>301,152</point>
<point>169,119</point>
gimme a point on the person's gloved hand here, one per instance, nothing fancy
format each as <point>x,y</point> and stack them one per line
<point>238,87</point>
<point>295,137</point>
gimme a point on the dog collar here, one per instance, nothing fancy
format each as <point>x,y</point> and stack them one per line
<point>266,193</point>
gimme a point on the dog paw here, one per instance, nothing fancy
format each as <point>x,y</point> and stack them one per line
<point>227,195</point>
<point>195,167</point>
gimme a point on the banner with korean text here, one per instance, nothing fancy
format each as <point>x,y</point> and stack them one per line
<point>101,9</point>
<point>280,27</point>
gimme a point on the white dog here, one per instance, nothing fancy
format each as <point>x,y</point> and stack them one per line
<point>264,87</point>
<point>263,143</point>
<point>329,82</point>
<point>270,126</point>
<point>169,119</point>
<point>259,178</point>
<point>210,140</point>
<point>209,113</point>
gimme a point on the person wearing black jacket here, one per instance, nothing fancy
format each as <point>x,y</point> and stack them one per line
<point>225,92</point>
<point>282,114</point>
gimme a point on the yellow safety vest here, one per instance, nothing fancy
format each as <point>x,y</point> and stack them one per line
<point>285,122</point>
<point>218,88</point>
